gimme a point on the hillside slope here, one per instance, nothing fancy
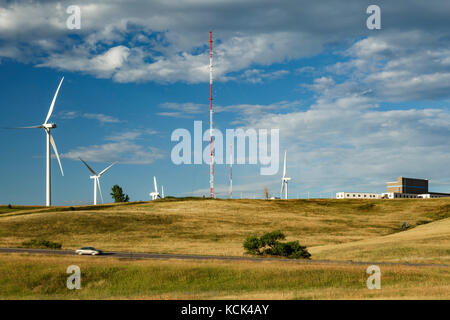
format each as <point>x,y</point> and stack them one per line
<point>428,243</point>
<point>218,227</point>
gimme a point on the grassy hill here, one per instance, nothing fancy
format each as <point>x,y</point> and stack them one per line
<point>424,244</point>
<point>332,229</point>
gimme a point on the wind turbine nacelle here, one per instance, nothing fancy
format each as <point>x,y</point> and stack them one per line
<point>49,126</point>
<point>93,177</point>
<point>286,179</point>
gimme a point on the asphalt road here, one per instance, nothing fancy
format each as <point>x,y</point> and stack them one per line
<point>135,255</point>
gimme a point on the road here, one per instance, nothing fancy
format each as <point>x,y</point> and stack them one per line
<point>136,255</point>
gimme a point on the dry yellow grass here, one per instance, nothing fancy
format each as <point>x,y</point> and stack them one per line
<point>429,243</point>
<point>44,277</point>
<point>218,227</point>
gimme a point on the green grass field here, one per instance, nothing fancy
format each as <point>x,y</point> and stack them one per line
<point>44,277</point>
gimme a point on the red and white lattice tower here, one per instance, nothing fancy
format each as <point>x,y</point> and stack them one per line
<point>211,173</point>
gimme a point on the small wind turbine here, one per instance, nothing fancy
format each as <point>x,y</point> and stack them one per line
<point>47,128</point>
<point>96,178</point>
<point>155,195</point>
<point>284,180</point>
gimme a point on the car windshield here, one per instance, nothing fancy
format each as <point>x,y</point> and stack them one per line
<point>87,248</point>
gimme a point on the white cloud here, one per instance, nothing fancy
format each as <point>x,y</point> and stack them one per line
<point>123,152</point>
<point>102,118</point>
<point>350,143</point>
<point>123,148</point>
<point>259,76</point>
<point>401,66</point>
<point>189,110</point>
<point>167,42</point>
<point>102,65</point>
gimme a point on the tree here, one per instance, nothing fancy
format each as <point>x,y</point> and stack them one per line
<point>118,195</point>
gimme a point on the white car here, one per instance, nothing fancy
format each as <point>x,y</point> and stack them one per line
<point>88,250</point>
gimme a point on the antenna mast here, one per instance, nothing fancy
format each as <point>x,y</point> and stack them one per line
<point>231,170</point>
<point>211,174</point>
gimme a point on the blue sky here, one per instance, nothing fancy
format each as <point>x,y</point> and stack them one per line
<point>355,107</point>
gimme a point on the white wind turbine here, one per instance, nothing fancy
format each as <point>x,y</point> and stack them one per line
<point>47,128</point>
<point>96,178</point>
<point>155,194</point>
<point>284,180</point>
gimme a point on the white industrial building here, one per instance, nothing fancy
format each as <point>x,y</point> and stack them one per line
<point>357,195</point>
<point>403,188</point>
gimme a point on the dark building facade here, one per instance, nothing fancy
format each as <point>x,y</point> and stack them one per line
<point>408,185</point>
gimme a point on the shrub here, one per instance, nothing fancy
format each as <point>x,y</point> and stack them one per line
<point>252,245</point>
<point>405,226</point>
<point>9,206</point>
<point>291,250</point>
<point>41,243</point>
<point>271,238</point>
<point>269,244</point>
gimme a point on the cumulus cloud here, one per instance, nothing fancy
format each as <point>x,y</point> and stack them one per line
<point>121,147</point>
<point>350,142</point>
<point>403,66</point>
<point>163,42</point>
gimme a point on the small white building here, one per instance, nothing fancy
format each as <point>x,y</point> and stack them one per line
<point>395,195</point>
<point>357,195</point>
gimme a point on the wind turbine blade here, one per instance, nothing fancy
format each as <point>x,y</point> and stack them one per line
<point>156,186</point>
<point>90,169</point>
<point>106,169</point>
<point>284,168</point>
<point>56,151</point>
<point>30,127</point>
<point>50,111</point>
<point>99,188</point>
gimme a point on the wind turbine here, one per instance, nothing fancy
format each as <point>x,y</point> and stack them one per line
<point>96,178</point>
<point>284,180</point>
<point>47,128</point>
<point>162,191</point>
<point>155,194</point>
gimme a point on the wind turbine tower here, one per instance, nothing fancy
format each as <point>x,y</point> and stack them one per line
<point>96,178</point>
<point>50,141</point>
<point>284,180</point>
<point>155,194</point>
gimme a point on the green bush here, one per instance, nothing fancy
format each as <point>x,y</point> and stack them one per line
<point>270,239</point>
<point>405,226</point>
<point>269,244</point>
<point>40,243</point>
<point>252,245</point>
